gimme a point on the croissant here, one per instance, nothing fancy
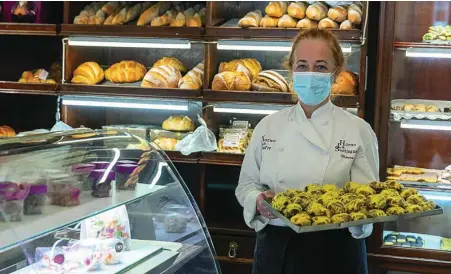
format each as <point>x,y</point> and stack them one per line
<point>306,23</point>
<point>120,17</point>
<point>251,19</point>
<point>276,9</point>
<point>163,20</point>
<point>111,7</point>
<point>81,20</point>
<point>133,12</point>
<point>162,77</point>
<point>151,13</point>
<point>231,80</point>
<point>297,10</point>
<point>171,61</point>
<point>287,22</point>
<point>193,79</point>
<point>89,73</point>
<point>99,17</point>
<point>194,21</point>
<point>269,22</point>
<point>125,72</point>
<point>249,66</point>
<point>346,83</point>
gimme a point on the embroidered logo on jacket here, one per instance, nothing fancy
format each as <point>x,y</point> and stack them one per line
<point>267,143</point>
<point>347,150</point>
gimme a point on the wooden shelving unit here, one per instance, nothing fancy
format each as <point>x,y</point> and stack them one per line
<point>28,29</point>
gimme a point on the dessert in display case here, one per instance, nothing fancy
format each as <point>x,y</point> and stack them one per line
<point>413,126</point>
<point>100,202</point>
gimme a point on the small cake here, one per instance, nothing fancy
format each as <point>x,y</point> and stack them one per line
<point>395,210</point>
<point>321,220</point>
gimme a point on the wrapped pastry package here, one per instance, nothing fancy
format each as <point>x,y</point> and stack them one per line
<point>234,140</point>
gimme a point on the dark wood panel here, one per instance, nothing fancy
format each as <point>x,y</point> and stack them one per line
<point>178,157</point>
<point>28,29</point>
<point>421,148</point>
<point>235,266</point>
<point>245,249</point>
<point>410,263</point>
<point>217,158</point>
<point>19,88</point>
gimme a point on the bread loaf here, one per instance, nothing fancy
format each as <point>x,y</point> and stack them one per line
<point>287,21</point>
<point>89,73</point>
<point>179,20</point>
<point>276,9</point>
<point>297,10</point>
<point>355,14</point>
<point>133,12</point>
<point>120,17</point>
<point>111,7</point>
<point>306,23</point>
<point>81,20</point>
<point>166,143</point>
<point>327,23</point>
<point>338,13</point>
<point>317,11</point>
<point>100,17</point>
<point>154,11</point>
<point>178,123</point>
<point>249,66</point>
<point>269,22</point>
<point>231,80</point>
<point>125,72</point>
<point>194,21</point>
<point>171,61</point>
<point>251,19</point>
<point>269,80</point>
<point>6,131</point>
<point>193,79</point>
<point>345,84</point>
<point>163,20</point>
<point>161,77</point>
<point>346,25</point>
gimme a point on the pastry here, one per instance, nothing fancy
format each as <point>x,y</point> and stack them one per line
<point>231,80</point>
<point>179,20</point>
<point>428,205</point>
<point>317,11</point>
<point>377,201</point>
<point>378,186</point>
<point>327,197</point>
<point>321,220</point>
<point>432,108</point>
<point>365,190</point>
<point>166,143</point>
<point>125,72</point>
<point>336,207</point>
<point>354,14</point>
<point>355,216</point>
<point>240,149</point>
<point>161,77</point>
<point>346,83</point>
<point>269,80</point>
<point>389,192</point>
<point>301,219</point>
<point>151,13</point>
<point>373,213</point>
<point>286,21</point>
<point>420,108</point>
<point>163,20</point>
<point>415,199</point>
<point>133,12</point>
<point>249,66</point>
<point>351,187</point>
<point>291,210</point>
<point>327,23</point>
<point>313,189</point>
<point>338,14</point>
<point>89,73</point>
<point>306,23</point>
<point>347,197</point>
<point>355,205</point>
<point>393,200</point>
<point>178,123</point>
<point>171,61</point>
<point>409,107</point>
<point>341,218</point>
<point>394,185</point>
<point>81,20</point>
<point>303,200</point>
<point>251,19</point>
<point>6,131</point>
<point>329,187</point>
<point>406,193</point>
<point>413,209</point>
<point>346,25</point>
<point>317,209</point>
<point>193,79</point>
<point>297,10</point>
<point>269,22</point>
<point>394,172</point>
<point>194,21</point>
<point>280,202</point>
<point>276,9</point>
<point>395,210</point>
<point>111,7</point>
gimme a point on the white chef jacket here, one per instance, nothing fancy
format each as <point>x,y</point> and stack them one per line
<point>289,151</point>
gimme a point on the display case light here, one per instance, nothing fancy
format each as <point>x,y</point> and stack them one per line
<point>426,124</point>
<point>428,52</point>
<point>129,43</point>
<point>280,46</point>
<point>247,109</point>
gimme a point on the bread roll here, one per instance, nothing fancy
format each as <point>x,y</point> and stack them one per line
<point>327,23</point>
<point>355,14</point>
<point>249,66</point>
<point>125,72</point>
<point>111,7</point>
<point>179,20</point>
<point>317,11</point>
<point>171,61</point>
<point>166,143</point>
<point>6,131</point>
<point>133,12</point>
<point>154,11</point>
<point>269,22</point>
<point>193,79</point>
<point>194,21</point>
<point>346,25</point>
<point>161,77</point>
<point>178,123</point>
<point>276,9</point>
<point>120,17</point>
<point>306,23</point>
<point>109,19</point>
<point>346,83</point>
<point>287,22</point>
<point>269,80</point>
<point>251,19</point>
<point>81,20</point>
<point>163,20</point>
<point>338,14</point>
<point>100,17</point>
<point>89,73</point>
<point>189,13</point>
<point>297,10</point>
<point>231,80</point>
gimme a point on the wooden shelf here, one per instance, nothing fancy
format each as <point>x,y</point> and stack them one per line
<point>225,159</point>
<point>178,157</point>
<point>248,96</point>
<point>28,29</point>
<point>131,31</point>
<point>421,45</point>
<point>235,230</point>
<point>129,91</point>
<point>19,88</point>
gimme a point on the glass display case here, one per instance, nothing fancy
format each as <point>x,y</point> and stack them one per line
<point>98,201</point>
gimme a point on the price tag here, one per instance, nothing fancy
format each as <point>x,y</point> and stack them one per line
<point>231,140</point>
<point>43,74</point>
<point>240,124</point>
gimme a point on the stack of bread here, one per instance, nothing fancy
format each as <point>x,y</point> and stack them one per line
<point>301,15</point>
<point>42,76</point>
<point>346,83</point>
<point>7,131</point>
<point>174,124</point>
<point>156,14</point>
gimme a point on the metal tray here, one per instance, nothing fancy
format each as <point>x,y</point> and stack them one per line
<point>303,229</point>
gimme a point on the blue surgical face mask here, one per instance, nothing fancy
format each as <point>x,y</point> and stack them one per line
<point>312,87</point>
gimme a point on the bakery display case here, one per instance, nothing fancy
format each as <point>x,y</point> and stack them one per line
<point>413,126</point>
<point>98,201</point>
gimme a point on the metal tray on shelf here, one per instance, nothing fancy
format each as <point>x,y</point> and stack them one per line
<point>303,229</point>
<point>425,185</point>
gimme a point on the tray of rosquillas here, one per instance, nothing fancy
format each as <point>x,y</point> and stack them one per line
<point>327,207</point>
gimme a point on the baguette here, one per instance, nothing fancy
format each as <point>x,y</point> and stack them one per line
<point>338,14</point>
<point>327,23</point>
<point>269,22</point>
<point>297,10</point>
<point>276,9</point>
<point>317,11</point>
<point>306,23</point>
<point>251,19</point>
<point>287,21</point>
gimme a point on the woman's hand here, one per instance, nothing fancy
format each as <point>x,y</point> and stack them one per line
<point>261,208</point>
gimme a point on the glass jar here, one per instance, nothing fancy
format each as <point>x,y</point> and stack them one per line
<point>35,201</point>
<point>101,189</point>
<point>82,172</point>
<point>123,174</point>
<point>12,196</point>
<point>64,192</point>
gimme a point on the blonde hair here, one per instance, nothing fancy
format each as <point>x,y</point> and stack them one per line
<point>322,35</point>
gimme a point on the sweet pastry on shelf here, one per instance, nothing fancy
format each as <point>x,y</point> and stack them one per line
<point>251,19</point>
<point>154,11</point>
<point>438,33</point>
<point>365,190</point>
<point>178,123</point>
<point>166,143</point>
<point>356,216</point>
<point>346,83</point>
<point>231,80</point>
<point>269,22</point>
<point>413,209</point>
<point>286,21</point>
<point>172,62</point>
<point>338,14</point>
<point>193,79</point>
<point>355,14</point>
<point>395,200</point>
<point>301,219</point>
<point>297,10</point>
<point>250,66</point>
<point>40,76</point>
<point>313,189</point>
<point>355,205</point>
<point>269,80</point>
<point>317,11</point>
<point>336,207</point>
<point>389,192</point>
<point>329,187</point>
<point>321,220</point>
<point>307,23</point>
<point>125,72</point>
<point>327,23</point>
<point>395,210</point>
<point>373,213</point>
<point>415,199</point>
<point>409,107</point>
<point>179,20</point>
<point>276,9</point>
<point>162,77</point>
<point>351,187</point>
<point>88,73</point>
<point>7,131</point>
<point>341,218</point>
<point>377,201</point>
<point>327,197</point>
<point>163,20</point>
<point>394,185</point>
<point>420,108</point>
<point>378,186</point>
